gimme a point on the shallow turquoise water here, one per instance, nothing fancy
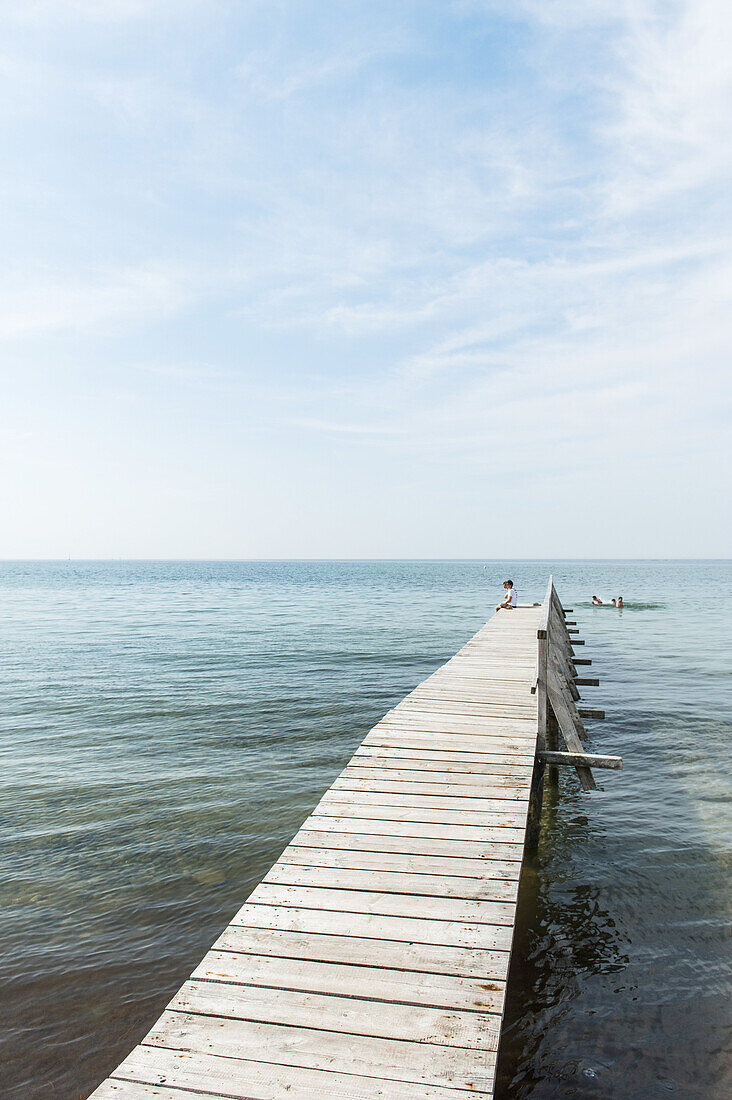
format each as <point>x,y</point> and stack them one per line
<point>165,727</point>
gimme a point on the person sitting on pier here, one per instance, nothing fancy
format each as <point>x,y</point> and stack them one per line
<point>511,597</point>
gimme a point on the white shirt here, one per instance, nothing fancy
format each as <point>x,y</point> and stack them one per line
<point>512,597</point>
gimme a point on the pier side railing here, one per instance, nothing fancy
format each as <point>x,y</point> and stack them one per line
<point>556,686</point>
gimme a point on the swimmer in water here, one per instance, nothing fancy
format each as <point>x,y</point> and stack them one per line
<point>620,602</point>
<point>597,601</point>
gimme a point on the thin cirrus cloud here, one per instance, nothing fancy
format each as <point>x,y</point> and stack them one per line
<point>339,246</point>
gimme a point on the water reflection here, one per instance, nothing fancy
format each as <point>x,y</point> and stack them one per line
<point>564,936</point>
<point>619,967</point>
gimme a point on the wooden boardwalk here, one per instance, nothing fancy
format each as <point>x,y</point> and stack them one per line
<point>372,959</point>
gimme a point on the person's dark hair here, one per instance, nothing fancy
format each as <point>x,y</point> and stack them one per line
<point>509,583</point>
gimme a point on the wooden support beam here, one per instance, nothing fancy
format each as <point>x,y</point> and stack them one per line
<point>568,610</point>
<point>558,632</point>
<point>565,669</point>
<point>587,681</point>
<point>581,661</point>
<point>571,693</point>
<point>560,651</point>
<point>563,708</point>
<point>578,759</point>
<point>570,622</point>
<point>590,712</point>
<point>573,630</point>
<point>576,641</point>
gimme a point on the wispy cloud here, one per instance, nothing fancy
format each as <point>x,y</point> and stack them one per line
<point>264,74</point>
<point>478,235</point>
<point>36,303</point>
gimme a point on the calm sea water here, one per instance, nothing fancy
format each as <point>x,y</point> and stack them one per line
<point>165,728</point>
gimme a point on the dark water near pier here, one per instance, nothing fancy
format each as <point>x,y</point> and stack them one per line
<point>165,727</point>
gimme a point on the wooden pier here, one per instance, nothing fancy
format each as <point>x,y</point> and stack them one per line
<point>372,959</point>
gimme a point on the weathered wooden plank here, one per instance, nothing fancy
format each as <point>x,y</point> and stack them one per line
<point>452,808</point>
<point>352,1015</point>
<point>118,1089</point>
<point>482,693</point>
<point>501,704</point>
<point>386,841</point>
<point>427,959</point>
<point>429,741</point>
<point>424,785</point>
<point>472,739</point>
<point>453,756</point>
<point>421,829</point>
<point>371,982</point>
<point>382,904</point>
<point>446,933</point>
<point>443,705</point>
<point>392,808</point>
<point>465,670</point>
<point>427,1064</point>
<point>441,789</point>
<point>388,880</point>
<point>412,769</point>
<point>516,739</point>
<point>244,1079</point>
<point>453,720</point>
<point>503,771</point>
<point>404,808</point>
<point>441,866</point>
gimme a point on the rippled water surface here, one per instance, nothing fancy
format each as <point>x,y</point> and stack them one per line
<point>165,727</point>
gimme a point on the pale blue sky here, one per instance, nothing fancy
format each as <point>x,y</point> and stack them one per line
<point>322,279</point>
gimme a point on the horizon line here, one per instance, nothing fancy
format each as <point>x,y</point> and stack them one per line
<point>233,561</point>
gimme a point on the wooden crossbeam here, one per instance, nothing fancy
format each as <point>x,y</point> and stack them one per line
<point>579,759</point>
<point>587,681</point>
<point>590,712</point>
